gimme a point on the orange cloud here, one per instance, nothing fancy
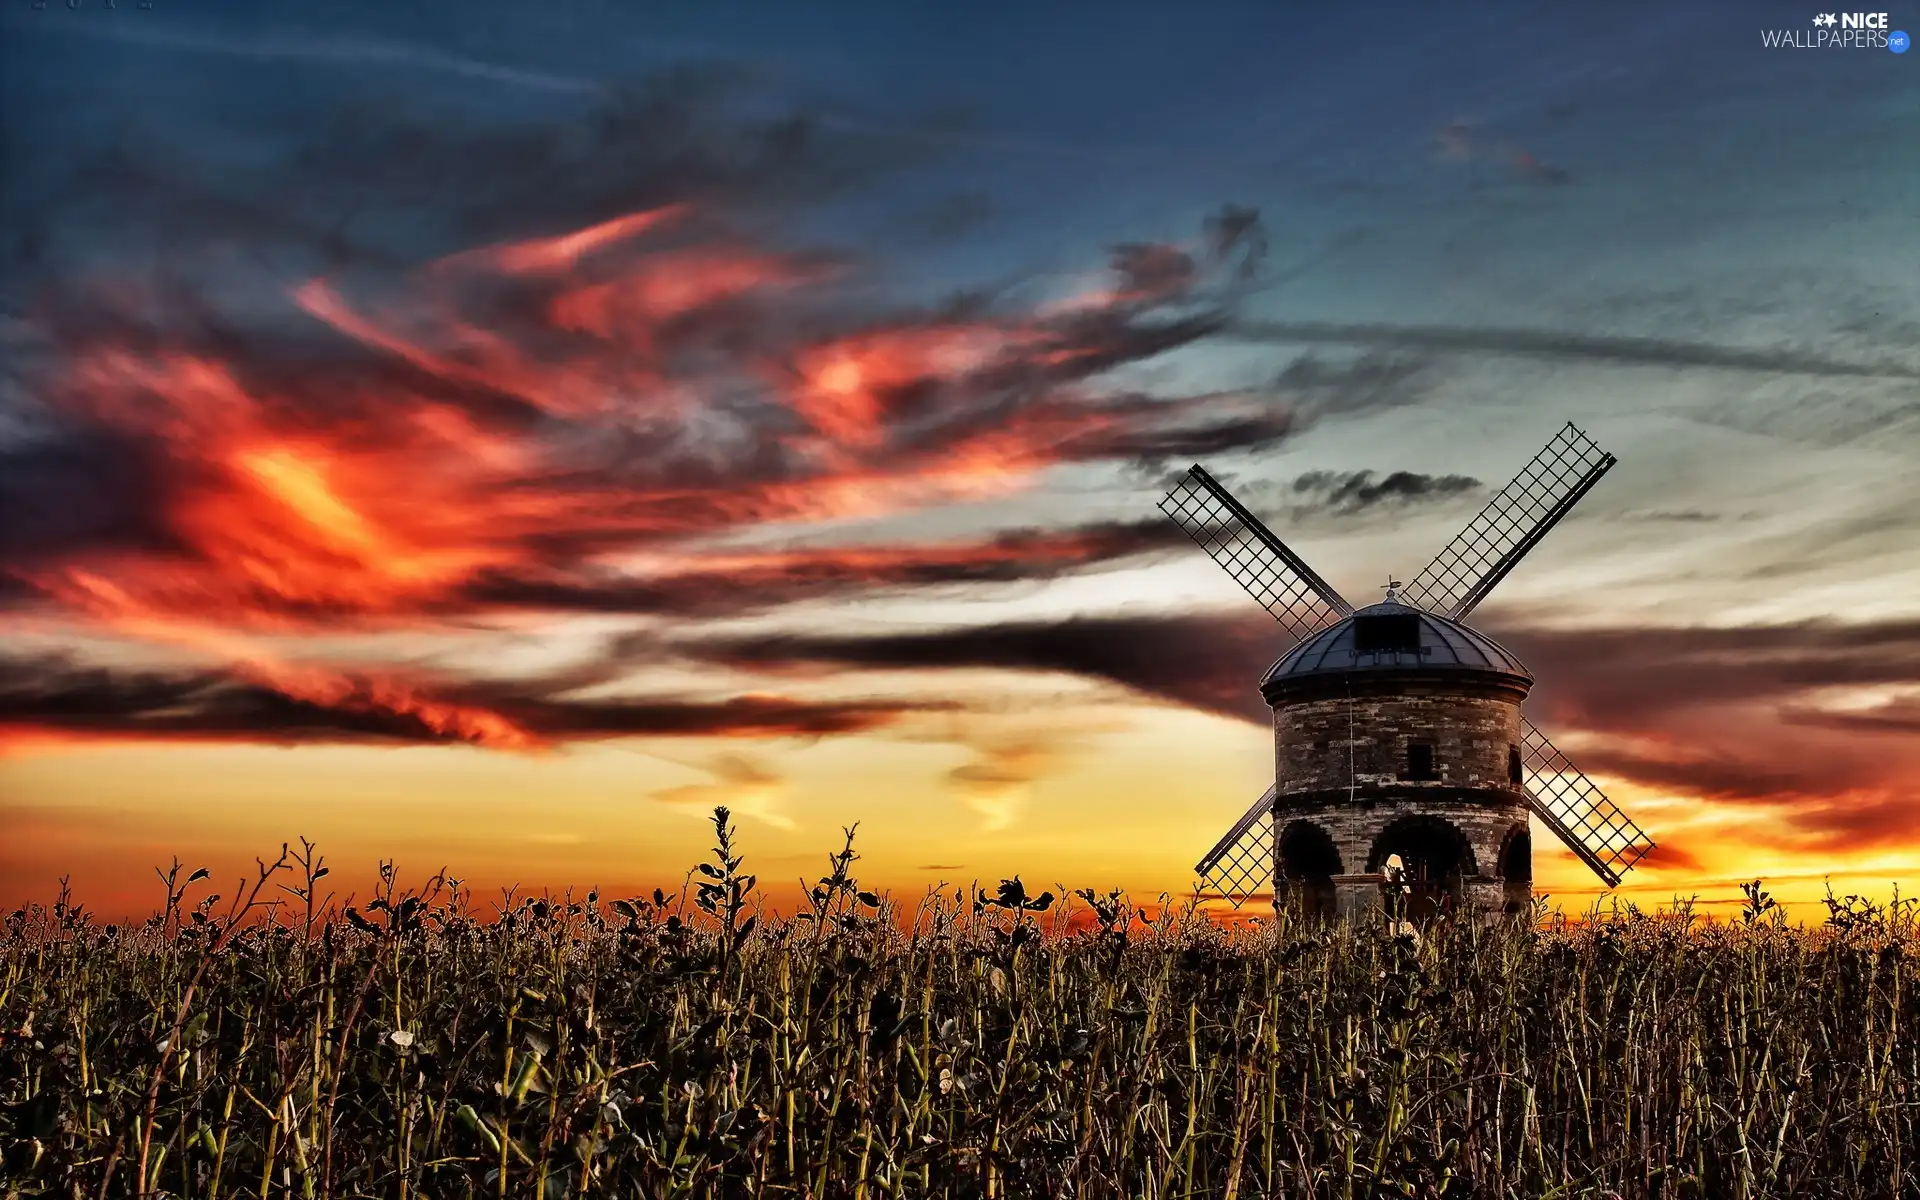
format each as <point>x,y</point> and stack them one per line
<point>518,425</point>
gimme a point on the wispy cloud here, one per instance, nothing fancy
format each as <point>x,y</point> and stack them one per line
<point>1565,346</point>
<point>997,784</point>
<point>744,785</point>
<point>312,47</point>
<point>1471,142</point>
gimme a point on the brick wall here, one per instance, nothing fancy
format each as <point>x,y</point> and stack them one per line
<point>1340,762</point>
<point>1469,734</point>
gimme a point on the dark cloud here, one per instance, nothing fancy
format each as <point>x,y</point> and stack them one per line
<point>1151,434</point>
<point>1746,715</point>
<point>750,583</point>
<point>1369,382</point>
<point>1590,679</point>
<point>1689,516</point>
<point>1900,716</point>
<point>1345,493</point>
<point>1154,270</point>
<point>54,694</point>
<point>1731,714</point>
<point>1329,497</point>
<point>381,184</point>
<point>1237,230</point>
<point>79,490</point>
<point>1209,663</point>
<point>1606,678</point>
<point>1711,772</point>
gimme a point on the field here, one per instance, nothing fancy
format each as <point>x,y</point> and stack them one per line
<point>424,1044</point>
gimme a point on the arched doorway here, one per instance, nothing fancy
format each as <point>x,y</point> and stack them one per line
<point>1308,862</point>
<point>1516,870</point>
<point>1426,859</point>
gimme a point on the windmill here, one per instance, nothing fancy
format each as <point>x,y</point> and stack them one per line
<point>1400,747</point>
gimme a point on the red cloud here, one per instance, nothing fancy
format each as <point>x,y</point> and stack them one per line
<point>573,421</point>
<point>543,404</point>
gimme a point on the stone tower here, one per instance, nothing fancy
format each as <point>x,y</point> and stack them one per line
<point>1400,752</point>
<point>1397,744</point>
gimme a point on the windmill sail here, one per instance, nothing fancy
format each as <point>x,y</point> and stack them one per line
<point>1577,811</point>
<point>1511,524</point>
<point>1275,576</point>
<point>1240,865</point>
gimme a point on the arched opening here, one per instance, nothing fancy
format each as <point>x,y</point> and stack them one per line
<point>1516,870</point>
<point>1426,860</point>
<point>1308,862</point>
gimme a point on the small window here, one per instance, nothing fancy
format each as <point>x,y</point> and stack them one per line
<point>1514,772</point>
<point>1398,634</point>
<point>1420,761</point>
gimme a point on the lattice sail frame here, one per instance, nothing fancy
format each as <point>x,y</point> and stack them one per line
<point>1454,584</point>
<point>1577,811</point>
<point>1258,561</point>
<point>1241,864</point>
<point>1512,523</point>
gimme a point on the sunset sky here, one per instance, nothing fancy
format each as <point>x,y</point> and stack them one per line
<point>492,435</point>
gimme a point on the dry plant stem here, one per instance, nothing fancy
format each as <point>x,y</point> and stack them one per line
<point>237,911</point>
<point>982,1044</point>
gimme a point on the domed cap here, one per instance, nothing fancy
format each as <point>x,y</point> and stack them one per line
<point>1392,636</point>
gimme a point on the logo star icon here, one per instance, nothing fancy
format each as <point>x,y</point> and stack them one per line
<point>1826,19</point>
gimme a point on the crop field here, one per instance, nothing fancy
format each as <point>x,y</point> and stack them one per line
<point>429,1044</point>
